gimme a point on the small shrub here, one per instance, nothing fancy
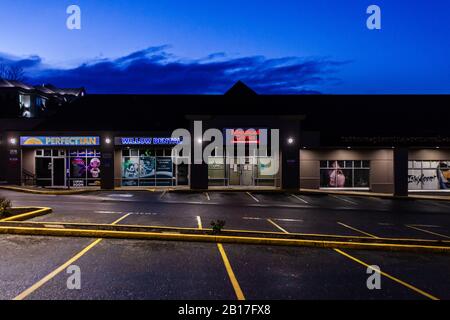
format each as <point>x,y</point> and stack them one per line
<point>217,226</point>
<point>5,206</point>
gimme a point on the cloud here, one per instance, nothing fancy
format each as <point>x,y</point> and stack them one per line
<point>155,70</point>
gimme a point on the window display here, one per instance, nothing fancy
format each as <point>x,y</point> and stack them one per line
<point>429,175</point>
<point>147,167</point>
<point>345,174</point>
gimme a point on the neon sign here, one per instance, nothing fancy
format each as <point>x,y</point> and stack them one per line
<point>142,141</point>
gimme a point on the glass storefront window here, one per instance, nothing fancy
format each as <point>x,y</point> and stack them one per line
<point>84,167</point>
<point>148,167</point>
<point>345,174</point>
<point>248,171</point>
<point>429,175</point>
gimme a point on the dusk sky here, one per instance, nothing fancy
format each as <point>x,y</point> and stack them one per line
<point>197,46</point>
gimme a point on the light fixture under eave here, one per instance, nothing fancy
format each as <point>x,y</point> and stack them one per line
<point>13,141</point>
<point>108,140</point>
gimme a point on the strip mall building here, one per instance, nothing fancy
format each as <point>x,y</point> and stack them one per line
<point>387,143</point>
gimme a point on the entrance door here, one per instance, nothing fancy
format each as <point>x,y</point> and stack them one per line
<point>246,175</point>
<point>43,172</point>
<point>59,172</point>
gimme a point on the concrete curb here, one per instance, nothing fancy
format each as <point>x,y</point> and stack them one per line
<point>58,232</point>
<point>28,215</point>
<point>48,192</point>
<point>375,195</point>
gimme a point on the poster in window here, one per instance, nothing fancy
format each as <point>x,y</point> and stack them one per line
<point>147,167</point>
<point>164,167</point>
<point>433,176</point>
<point>93,168</point>
<point>78,168</point>
<point>130,168</point>
<point>265,167</point>
<point>344,174</point>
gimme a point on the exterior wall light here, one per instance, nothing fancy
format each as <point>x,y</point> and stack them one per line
<point>290,140</point>
<point>349,147</point>
<point>199,141</point>
<point>13,141</point>
<point>108,140</point>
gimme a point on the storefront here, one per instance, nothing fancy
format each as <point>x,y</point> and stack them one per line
<point>337,169</point>
<point>429,170</point>
<point>61,161</point>
<point>147,161</point>
<point>252,168</point>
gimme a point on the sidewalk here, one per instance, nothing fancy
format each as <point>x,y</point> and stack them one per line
<point>65,191</point>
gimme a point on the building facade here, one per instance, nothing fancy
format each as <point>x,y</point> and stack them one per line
<point>364,143</point>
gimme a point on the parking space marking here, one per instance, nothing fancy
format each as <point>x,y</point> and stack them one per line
<point>344,199</point>
<point>63,267</point>
<point>426,231</point>
<point>231,275</point>
<point>207,196</point>
<point>403,283</point>
<point>111,212</point>
<point>162,195</point>
<point>278,226</point>
<point>424,225</point>
<point>288,220</point>
<point>253,197</point>
<point>199,222</point>
<point>357,230</point>
<point>299,198</point>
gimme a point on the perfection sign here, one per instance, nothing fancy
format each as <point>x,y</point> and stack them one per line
<point>57,141</point>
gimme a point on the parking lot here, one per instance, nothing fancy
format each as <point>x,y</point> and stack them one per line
<point>35,267</point>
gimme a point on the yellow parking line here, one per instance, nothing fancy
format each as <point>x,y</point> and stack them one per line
<point>358,230</point>
<point>430,232</point>
<point>199,222</point>
<point>234,282</point>
<point>63,267</point>
<point>278,226</point>
<point>403,283</point>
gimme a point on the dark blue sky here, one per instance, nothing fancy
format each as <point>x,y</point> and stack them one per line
<point>197,46</point>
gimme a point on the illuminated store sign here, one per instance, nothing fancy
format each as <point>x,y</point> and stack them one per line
<point>144,141</point>
<point>246,136</point>
<point>53,141</point>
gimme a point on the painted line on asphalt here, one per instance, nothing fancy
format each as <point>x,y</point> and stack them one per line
<point>199,222</point>
<point>207,196</point>
<point>63,267</point>
<point>426,231</point>
<point>299,198</point>
<point>231,275</point>
<point>358,230</point>
<point>162,195</point>
<point>343,199</point>
<point>278,226</point>
<point>403,283</point>
<point>252,196</point>
<point>110,212</point>
<point>424,225</point>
